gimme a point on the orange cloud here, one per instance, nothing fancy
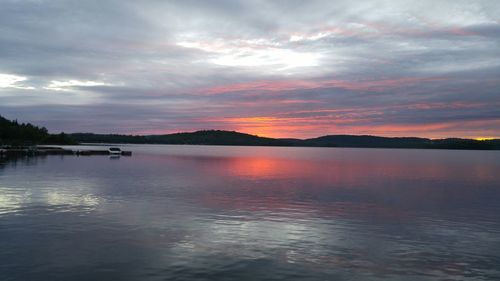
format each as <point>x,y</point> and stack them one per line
<point>354,123</point>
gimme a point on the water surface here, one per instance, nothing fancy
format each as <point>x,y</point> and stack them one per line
<point>252,213</point>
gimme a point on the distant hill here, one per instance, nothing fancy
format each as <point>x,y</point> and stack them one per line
<point>218,137</point>
<point>210,137</point>
<point>15,133</point>
<point>401,142</point>
<point>368,141</point>
<point>215,137</point>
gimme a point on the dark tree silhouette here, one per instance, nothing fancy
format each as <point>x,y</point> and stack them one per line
<point>15,133</point>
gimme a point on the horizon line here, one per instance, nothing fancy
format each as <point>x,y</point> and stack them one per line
<point>484,138</point>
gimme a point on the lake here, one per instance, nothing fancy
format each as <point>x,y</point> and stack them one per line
<point>252,213</point>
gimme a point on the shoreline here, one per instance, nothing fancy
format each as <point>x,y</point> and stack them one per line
<point>52,150</point>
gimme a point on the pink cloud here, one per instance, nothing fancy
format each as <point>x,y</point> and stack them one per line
<point>297,84</point>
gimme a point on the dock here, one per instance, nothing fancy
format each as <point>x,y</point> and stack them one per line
<point>100,152</point>
<point>38,151</point>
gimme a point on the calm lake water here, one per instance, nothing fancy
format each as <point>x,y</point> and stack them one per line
<point>252,213</point>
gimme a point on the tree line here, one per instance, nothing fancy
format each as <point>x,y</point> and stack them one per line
<point>18,134</point>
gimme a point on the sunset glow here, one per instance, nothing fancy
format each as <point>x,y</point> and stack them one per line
<point>484,138</point>
<point>377,68</point>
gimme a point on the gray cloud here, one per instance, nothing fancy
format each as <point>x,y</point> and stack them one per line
<point>164,66</point>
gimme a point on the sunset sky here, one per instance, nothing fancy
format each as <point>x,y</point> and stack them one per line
<point>272,68</point>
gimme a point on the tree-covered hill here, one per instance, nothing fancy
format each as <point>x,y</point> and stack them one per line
<point>208,137</point>
<point>401,142</point>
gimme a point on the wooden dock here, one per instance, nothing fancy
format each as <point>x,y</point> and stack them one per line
<point>36,151</point>
<point>100,152</point>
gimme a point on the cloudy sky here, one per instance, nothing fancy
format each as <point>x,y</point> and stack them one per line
<point>273,68</point>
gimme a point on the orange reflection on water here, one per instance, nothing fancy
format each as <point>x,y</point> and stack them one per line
<point>383,183</point>
<point>262,167</point>
<point>343,184</point>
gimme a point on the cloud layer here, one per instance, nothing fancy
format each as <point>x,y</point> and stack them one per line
<point>274,68</point>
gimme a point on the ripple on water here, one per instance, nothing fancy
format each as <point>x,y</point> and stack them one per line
<point>252,215</point>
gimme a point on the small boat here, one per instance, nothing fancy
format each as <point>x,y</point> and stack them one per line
<point>115,151</point>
